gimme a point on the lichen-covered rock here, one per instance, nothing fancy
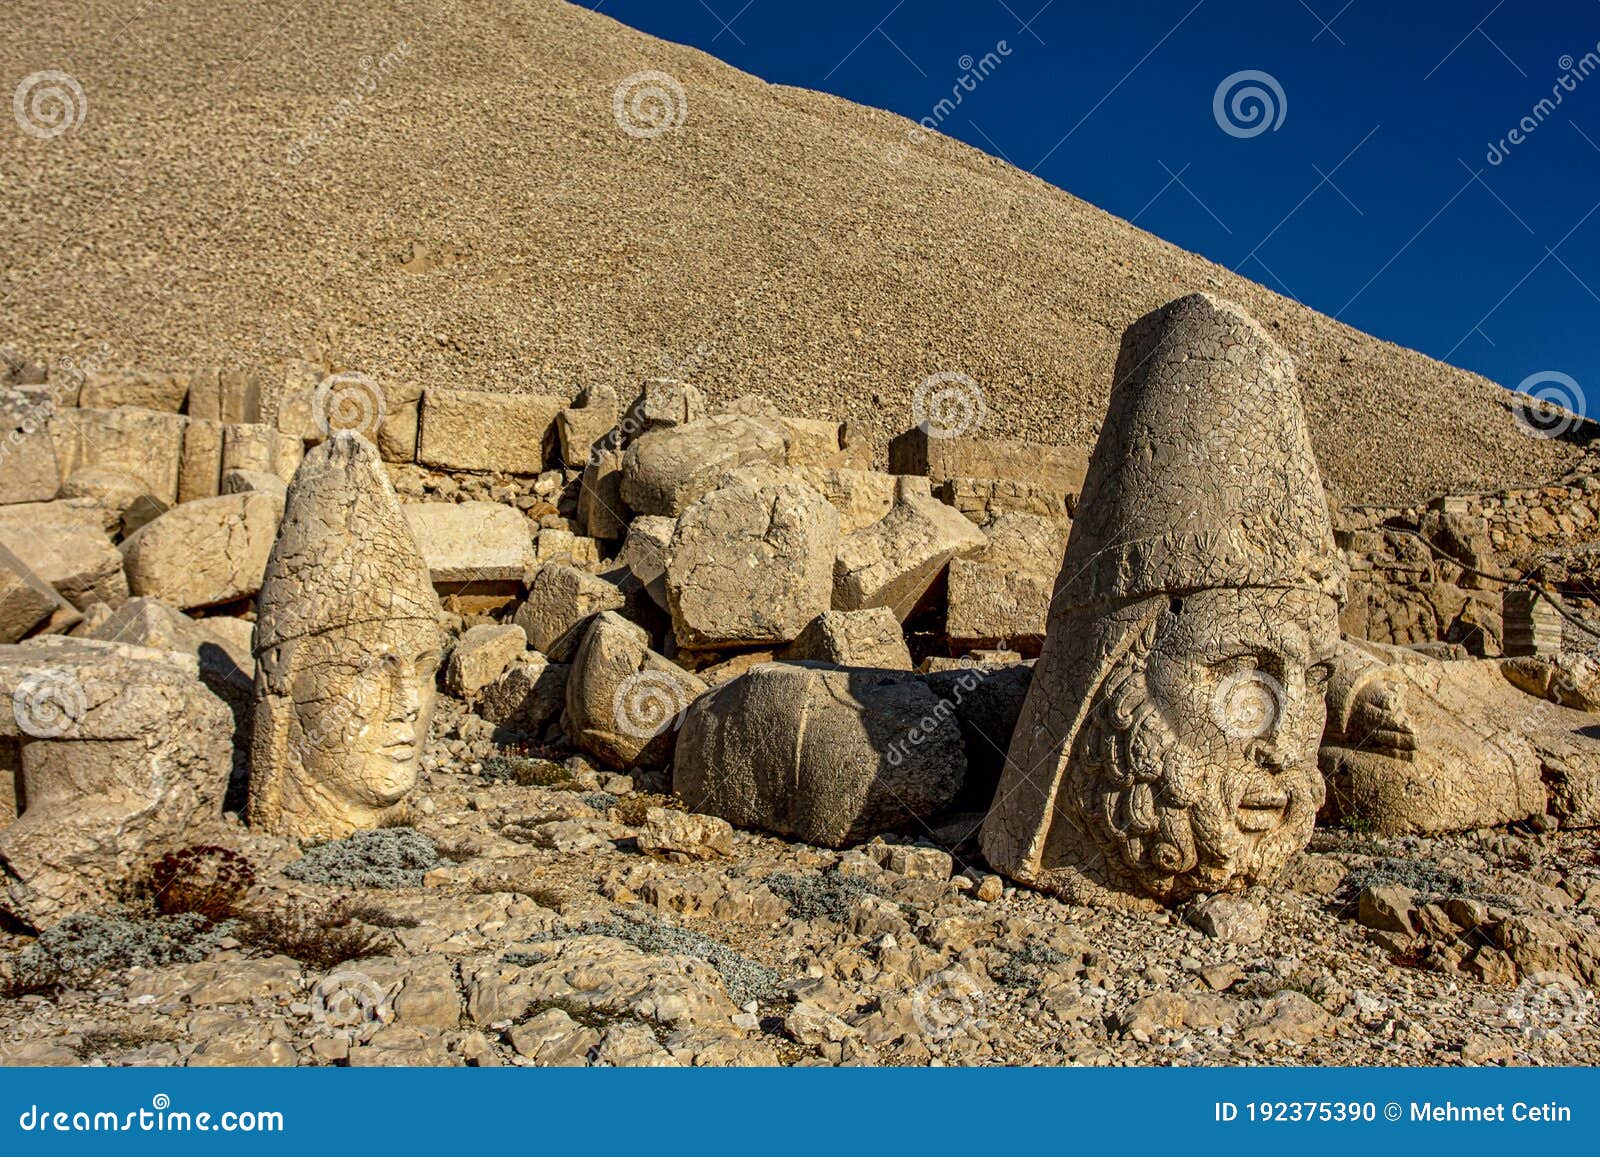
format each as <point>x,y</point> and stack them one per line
<point>828,756</point>
<point>123,753</point>
<point>748,566</point>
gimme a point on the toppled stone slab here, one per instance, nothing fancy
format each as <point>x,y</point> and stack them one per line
<point>831,757</point>
<point>481,656</point>
<point>644,554</point>
<point>200,461</point>
<point>143,443</point>
<point>624,702</point>
<point>869,638</point>
<point>893,562</point>
<point>591,417</point>
<point>1000,596</point>
<point>936,454</point>
<point>122,750</point>
<point>206,552</point>
<point>467,542</point>
<point>478,430</point>
<point>748,566</point>
<point>66,546</point>
<point>28,604</point>
<point>660,404</point>
<point>526,697</point>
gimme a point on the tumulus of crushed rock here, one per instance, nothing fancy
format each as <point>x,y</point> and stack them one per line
<point>438,192</point>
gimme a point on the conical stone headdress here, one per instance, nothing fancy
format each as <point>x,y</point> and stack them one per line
<point>345,554</point>
<point>1203,475</point>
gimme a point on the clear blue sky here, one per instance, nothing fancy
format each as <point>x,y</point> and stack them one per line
<point>1373,199</point>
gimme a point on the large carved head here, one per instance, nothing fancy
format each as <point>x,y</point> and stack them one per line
<point>1169,742</point>
<point>347,644</point>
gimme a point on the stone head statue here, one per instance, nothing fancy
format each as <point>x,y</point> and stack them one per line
<point>1168,743</point>
<point>347,641</point>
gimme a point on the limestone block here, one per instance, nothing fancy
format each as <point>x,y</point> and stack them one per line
<point>564,546</point>
<point>828,756</point>
<point>220,649</point>
<point>476,430</point>
<point>144,389</point>
<point>659,404</point>
<point>748,566</point>
<point>644,553</point>
<point>124,754</point>
<point>143,443</point>
<point>210,551</point>
<point>585,423</point>
<point>65,543</point>
<point>200,466</point>
<point>624,701</point>
<point>472,541</point>
<point>861,497</point>
<point>27,453</point>
<point>665,470</point>
<point>893,562</point>
<point>931,453</point>
<point>601,510</point>
<point>869,638</point>
<point>110,487</point>
<point>1000,596</point>
<point>526,697</point>
<point>257,446</point>
<point>481,656</point>
<point>28,604</point>
<point>561,600</point>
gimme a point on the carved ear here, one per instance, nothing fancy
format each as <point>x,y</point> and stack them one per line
<point>274,667</point>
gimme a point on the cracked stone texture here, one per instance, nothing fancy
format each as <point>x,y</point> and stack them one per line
<point>65,543</point>
<point>205,552</point>
<point>481,656</point>
<point>1000,596</point>
<point>30,473</point>
<point>561,601</point>
<point>28,604</point>
<point>258,446</point>
<point>121,752</point>
<point>860,496</point>
<point>143,443</point>
<point>347,643</point>
<point>466,542</point>
<point>1168,742</point>
<point>479,430</point>
<point>666,470</point>
<point>893,562</point>
<point>827,756</point>
<point>869,638</point>
<point>625,702</point>
<point>749,565</point>
<point>1416,745</point>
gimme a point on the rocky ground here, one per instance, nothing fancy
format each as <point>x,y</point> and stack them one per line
<point>549,914</point>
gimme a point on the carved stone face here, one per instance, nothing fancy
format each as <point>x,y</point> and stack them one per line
<point>1198,770</point>
<point>363,698</point>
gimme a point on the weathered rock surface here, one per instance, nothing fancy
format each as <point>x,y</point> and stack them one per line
<point>467,542</point>
<point>481,656</point>
<point>29,471</point>
<point>869,638</point>
<point>28,604</point>
<point>201,553</point>
<point>561,601</point>
<point>893,562</point>
<point>625,703</point>
<point>666,470</point>
<point>66,546</point>
<point>476,430</point>
<point>827,756</point>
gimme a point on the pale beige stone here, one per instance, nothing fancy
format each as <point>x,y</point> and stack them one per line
<point>65,543</point>
<point>201,553</point>
<point>477,430</point>
<point>624,701</point>
<point>1167,745</point>
<point>260,447</point>
<point>1000,596</point>
<point>347,643</point>
<point>481,655</point>
<point>861,497</point>
<point>144,389</point>
<point>472,541</point>
<point>601,510</point>
<point>586,423</point>
<point>660,404</point>
<point>942,453</point>
<point>143,443</point>
<point>666,470</point>
<point>27,453</point>
<point>893,562</point>
<point>869,638</point>
<point>561,600</point>
<point>824,755</point>
<point>123,755</point>
<point>200,467</point>
<point>644,553</point>
<point>28,604</point>
<point>748,566</point>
